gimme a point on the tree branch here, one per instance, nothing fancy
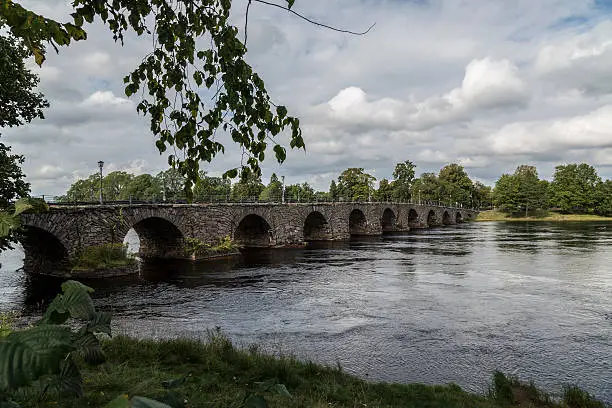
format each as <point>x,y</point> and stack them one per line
<point>312,21</point>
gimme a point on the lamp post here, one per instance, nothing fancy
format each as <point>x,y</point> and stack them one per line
<point>100,164</point>
<point>283,198</point>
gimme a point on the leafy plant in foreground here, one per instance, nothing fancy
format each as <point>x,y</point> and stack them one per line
<point>48,350</point>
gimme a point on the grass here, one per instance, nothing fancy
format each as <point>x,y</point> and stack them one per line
<point>103,257</point>
<point>495,215</point>
<point>216,374</point>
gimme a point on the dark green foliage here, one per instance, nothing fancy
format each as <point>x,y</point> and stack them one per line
<point>522,192</point>
<point>603,198</point>
<point>273,191</point>
<point>355,185</point>
<point>103,256</point>
<point>455,185</point>
<point>49,348</point>
<point>10,224</point>
<point>403,178</point>
<point>574,188</point>
<point>248,188</point>
<point>574,397</point>
<point>502,388</point>
<point>302,193</point>
<point>19,103</point>
<point>427,188</point>
<point>386,192</point>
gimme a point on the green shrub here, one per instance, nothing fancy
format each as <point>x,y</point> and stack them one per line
<point>7,323</point>
<point>574,397</point>
<point>103,256</point>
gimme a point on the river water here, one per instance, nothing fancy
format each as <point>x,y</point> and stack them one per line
<point>433,306</point>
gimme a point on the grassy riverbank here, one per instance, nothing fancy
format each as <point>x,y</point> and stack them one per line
<point>216,374</point>
<point>494,215</point>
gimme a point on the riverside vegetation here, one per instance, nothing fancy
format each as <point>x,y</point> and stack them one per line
<point>53,364</point>
<point>497,215</point>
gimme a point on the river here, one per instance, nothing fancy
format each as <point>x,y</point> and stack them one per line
<point>434,306</point>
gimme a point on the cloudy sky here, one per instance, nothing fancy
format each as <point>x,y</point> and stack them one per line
<point>489,84</point>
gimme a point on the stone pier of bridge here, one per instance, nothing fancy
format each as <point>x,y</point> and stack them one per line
<point>51,239</point>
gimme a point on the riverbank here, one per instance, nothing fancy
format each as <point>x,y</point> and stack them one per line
<point>188,373</point>
<point>494,215</point>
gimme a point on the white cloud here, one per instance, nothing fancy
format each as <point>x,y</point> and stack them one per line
<point>593,130</point>
<point>579,61</point>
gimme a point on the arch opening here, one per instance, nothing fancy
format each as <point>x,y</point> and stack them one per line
<point>158,239</point>
<point>413,219</point>
<point>44,252</point>
<point>357,223</point>
<point>458,218</point>
<point>254,232</point>
<point>446,218</point>
<point>316,228</point>
<point>388,221</point>
<point>432,218</point>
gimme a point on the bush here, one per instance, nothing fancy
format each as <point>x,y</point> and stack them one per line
<point>103,256</point>
<point>574,397</point>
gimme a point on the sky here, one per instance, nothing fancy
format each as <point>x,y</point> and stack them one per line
<point>488,84</point>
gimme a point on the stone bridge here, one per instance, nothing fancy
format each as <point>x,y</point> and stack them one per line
<point>53,238</point>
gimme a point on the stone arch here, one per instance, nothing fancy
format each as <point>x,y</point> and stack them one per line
<point>458,218</point>
<point>388,221</point>
<point>316,227</point>
<point>44,252</point>
<point>432,218</point>
<point>159,239</point>
<point>413,219</point>
<point>254,231</point>
<point>358,224</point>
<point>446,218</point>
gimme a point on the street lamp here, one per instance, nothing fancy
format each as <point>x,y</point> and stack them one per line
<point>283,199</point>
<point>100,164</point>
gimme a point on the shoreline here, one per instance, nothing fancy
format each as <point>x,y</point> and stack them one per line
<point>217,373</point>
<point>494,215</point>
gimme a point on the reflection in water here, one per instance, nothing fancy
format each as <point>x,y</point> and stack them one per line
<point>441,305</point>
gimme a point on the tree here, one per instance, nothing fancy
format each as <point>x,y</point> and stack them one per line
<point>211,189</point>
<point>12,185</point>
<point>574,188</point>
<point>114,185</point>
<point>482,195</point>
<point>84,190</point>
<point>456,185</point>
<point>604,198</point>
<point>177,69</point>
<point>248,188</point>
<point>521,192</point>
<point>303,193</point>
<point>355,185</point>
<point>274,191</point>
<point>142,188</point>
<point>385,191</point>
<point>333,191</point>
<point>426,188</point>
<point>19,104</point>
<point>404,177</point>
<point>173,184</point>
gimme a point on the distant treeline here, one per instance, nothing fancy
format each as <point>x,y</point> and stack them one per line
<point>576,188</point>
<point>451,185</point>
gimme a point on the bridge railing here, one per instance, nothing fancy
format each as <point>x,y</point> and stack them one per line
<point>211,199</point>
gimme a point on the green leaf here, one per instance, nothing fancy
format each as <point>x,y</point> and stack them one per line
<point>281,111</point>
<point>233,173</point>
<point>7,224</point>
<point>290,4</point>
<point>142,402</point>
<point>282,390</point>
<point>255,401</point>
<point>69,379</point>
<point>74,302</point>
<point>281,153</point>
<point>121,401</point>
<point>174,383</point>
